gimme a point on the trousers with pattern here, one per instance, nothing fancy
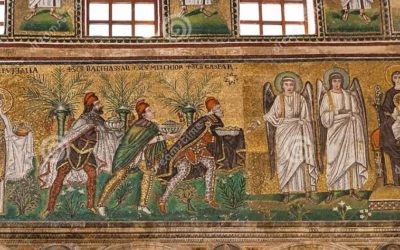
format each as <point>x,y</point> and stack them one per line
<point>183,166</point>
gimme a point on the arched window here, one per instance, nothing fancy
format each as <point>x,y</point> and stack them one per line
<point>2,17</point>
<point>123,18</point>
<point>277,17</point>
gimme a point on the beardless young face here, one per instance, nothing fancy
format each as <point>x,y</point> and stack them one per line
<point>288,87</point>
<point>336,84</point>
<point>149,114</point>
<point>396,78</point>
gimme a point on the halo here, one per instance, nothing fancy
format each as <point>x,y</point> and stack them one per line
<point>389,71</point>
<point>343,72</point>
<point>8,100</point>
<point>278,79</point>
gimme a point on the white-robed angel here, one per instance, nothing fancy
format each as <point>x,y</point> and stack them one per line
<point>201,3</point>
<point>290,132</point>
<point>87,149</point>
<point>343,133</point>
<point>18,149</point>
<point>360,5</point>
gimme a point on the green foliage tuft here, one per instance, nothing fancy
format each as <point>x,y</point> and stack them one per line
<point>233,192</point>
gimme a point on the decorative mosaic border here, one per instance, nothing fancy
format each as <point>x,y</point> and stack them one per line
<point>321,36</point>
<point>178,235</point>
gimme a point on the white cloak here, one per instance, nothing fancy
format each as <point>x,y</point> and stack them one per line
<point>357,4</point>
<point>294,142</point>
<point>196,2</point>
<point>345,145</point>
<point>19,152</point>
<point>44,4</point>
<point>104,152</point>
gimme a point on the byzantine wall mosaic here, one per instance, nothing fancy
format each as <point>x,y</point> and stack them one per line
<point>151,21</point>
<point>266,141</point>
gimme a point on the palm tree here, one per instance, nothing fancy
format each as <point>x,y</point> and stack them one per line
<point>187,95</point>
<point>121,91</point>
<point>58,94</point>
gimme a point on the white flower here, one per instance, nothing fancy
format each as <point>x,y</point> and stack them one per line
<point>341,203</point>
<point>361,211</point>
<point>63,192</point>
<point>362,216</point>
<point>369,214</point>
<point>70,189</point>
<point>348,208</point>
<point>335,209</point>
<point>81,191</point>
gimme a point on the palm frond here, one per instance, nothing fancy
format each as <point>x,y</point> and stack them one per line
<point>188,91</point>
<point>61,90</point>
<point>120,91</point>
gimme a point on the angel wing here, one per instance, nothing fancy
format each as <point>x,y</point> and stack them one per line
<point>307,93</point>
<point>355,89</point>
<point>268,101</point>
<point>322,132</point>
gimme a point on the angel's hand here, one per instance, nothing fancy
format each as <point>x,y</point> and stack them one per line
<point>265,117</point>
<point>344,112</point>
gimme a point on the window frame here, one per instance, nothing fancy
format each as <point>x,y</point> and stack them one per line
<point>4,3</point>
<point>110,22</point>
<point>260,22</point>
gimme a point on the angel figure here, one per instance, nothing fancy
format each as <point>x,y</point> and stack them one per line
<point>342,133</point>
<point>290,135</point>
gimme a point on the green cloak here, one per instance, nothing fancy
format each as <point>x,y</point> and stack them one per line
<point>134,141</point>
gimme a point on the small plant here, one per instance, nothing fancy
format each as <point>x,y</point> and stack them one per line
<point>72,201</point>
<point>342,209</point>
<point>122,193</point>
<point>24,194</point>
<point>365,214</point>
<point>268,214</point>
<point>298,210</point>
<point>186,193</point>
<point>233,192</point>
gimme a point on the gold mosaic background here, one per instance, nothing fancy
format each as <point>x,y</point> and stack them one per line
<point>241,100</point>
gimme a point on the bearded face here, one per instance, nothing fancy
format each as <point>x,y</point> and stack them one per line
<point>218,111</point>
<point>98,108</point>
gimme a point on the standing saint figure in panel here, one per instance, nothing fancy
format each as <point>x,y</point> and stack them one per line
<point>343,133</point>
<point>290,131</point>
<point>360,5</point>
<point>201,3</point>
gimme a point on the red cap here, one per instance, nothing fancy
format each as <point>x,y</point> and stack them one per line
<point>141,107</point>
<point>90,99</point>
<point>211,102</point>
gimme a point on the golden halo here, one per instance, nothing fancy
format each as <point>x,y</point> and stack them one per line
<point>8,100</point>
<point>298,81</point>
<point>389,71</point>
